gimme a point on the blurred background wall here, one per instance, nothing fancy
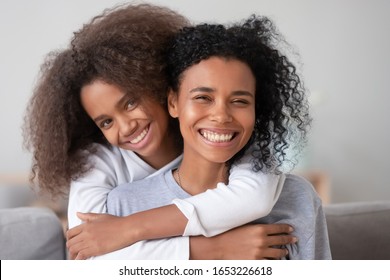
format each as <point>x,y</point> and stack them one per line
<point>344,58</point>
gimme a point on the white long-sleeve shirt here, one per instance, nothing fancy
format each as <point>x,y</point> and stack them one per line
<point>248,196</point>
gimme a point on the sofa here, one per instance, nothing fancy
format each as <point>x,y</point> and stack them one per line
<point>357,231</point>
<point>31,233</point>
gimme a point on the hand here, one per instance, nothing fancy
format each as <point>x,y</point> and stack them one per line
<point>258,241</point>
<point>99,234</point>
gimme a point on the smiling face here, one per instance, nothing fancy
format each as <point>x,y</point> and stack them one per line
<point>136,125</point>
<point>215,107</point>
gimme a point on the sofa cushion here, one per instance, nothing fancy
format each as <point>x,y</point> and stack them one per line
<point>31,233</point>
<point>359,230</point>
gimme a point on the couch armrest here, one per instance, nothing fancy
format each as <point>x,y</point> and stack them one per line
<point>30,233</point>
<point>359,230</point>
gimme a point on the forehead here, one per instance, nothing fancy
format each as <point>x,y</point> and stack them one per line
<point>219,71</point>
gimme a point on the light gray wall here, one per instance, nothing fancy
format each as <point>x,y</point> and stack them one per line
<point>344,58</point>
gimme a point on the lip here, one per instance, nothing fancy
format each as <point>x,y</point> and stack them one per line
<point>140,142</point>
<point>140,136</point>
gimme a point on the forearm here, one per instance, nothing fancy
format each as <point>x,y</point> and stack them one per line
<point>248,197</point>
<point>166,221</point>
<point>176,248</point>
<point>103,233</point>
<point>245,242</point>
<point>203,248</point>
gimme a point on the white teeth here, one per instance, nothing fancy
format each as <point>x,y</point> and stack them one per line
<point>215,137</point>
<point>139,137</point>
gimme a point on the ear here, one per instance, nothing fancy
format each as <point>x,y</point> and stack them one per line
<point>172,104</point>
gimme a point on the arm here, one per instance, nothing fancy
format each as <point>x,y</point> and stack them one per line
<point>249,196</point>
<point>246,242</point>
<point>95,236</point>
<point>300,207</point>
<point>250,242</point>
<point>313,230</point>
<point>89,194</point>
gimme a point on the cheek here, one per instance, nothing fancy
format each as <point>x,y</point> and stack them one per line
<point>110,135</point>
<point>248,121</point>
<point>189,116</point>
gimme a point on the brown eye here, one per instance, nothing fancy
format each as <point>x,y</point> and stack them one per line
<point>105,123</point>
<point>130,105</point>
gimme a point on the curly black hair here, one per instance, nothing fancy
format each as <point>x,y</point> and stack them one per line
<point>281,106</point>
<point>123,46</point>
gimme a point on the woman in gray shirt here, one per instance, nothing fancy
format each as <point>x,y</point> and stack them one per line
<point>231,89</point>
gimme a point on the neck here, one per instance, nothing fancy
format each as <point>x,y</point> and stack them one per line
<point>195,177</point>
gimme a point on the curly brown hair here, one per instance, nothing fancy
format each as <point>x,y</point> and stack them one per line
<point>282,109</point>
<point>122,46</point>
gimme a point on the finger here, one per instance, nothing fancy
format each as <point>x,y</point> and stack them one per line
<point>75,250</point>
<point>279,240</point>
<point>85,217</point>
<point>272,229</point>
<point>73,232</point>
<point>74,240</point>
<point>275,253</point>
<point>80,256</point>
<point>88,217</point>
<point>84,254</point>
<point>72,256</point>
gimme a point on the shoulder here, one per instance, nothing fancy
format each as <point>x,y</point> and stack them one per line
<point>300,187</point>
<point>298,195</point>
<point>110,153</point>
<point>105,153</point>
<point>102,163</point>
<point>146,185</point>
<point>139,195</point>
<point>125,165</point>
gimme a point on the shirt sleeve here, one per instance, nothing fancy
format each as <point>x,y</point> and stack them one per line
<point>249,196</point>
<point>317,246</point>
<point>88,194</point>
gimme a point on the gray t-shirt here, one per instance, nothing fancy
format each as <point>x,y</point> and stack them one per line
<point>298,205</point>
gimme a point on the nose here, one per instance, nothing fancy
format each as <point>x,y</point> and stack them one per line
<point>221,113</point>
<point>126,126</point>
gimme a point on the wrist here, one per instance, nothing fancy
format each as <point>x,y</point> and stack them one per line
<point>133,230</point>
<point>204,248</point>
<point>166,221</point>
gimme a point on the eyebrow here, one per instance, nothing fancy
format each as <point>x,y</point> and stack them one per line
<point>211,90</point>
<point>99,118</point>
<point>202,89</point>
